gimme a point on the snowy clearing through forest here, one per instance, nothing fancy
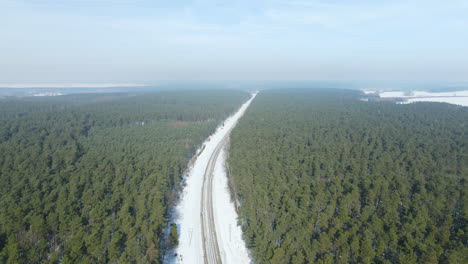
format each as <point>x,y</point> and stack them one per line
<point>188,213</point>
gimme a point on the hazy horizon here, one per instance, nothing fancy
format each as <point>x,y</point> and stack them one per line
<point>25,89</point>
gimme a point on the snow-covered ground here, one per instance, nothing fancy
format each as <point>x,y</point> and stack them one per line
<point>47,94</point>
<point>456,97</point>
<point>187,213</point>
<point>451,100</point>
<point>229,234</point>
<point>392,94</point>
<point>368,91</point>
<point>422,94</point>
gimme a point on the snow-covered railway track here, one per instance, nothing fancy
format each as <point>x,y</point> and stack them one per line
<point>205,235</point>
<point>211,251</point>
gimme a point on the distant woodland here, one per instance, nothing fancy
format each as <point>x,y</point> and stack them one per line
<point>322,177</point>
<point>90,178</point>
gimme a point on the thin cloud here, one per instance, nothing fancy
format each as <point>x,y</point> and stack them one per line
<point>253,38</point>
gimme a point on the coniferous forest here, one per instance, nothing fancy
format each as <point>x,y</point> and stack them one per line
<point>90,178</point>
<point>321,177</point>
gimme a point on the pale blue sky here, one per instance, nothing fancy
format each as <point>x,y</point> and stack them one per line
<point>145,41</point>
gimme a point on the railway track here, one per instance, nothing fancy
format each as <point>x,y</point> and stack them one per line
<point>211,251</point>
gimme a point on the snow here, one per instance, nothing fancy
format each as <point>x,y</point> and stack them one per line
<point>456,97</point>
<point>423,94</point>
<point>47,94</point>
<point>428,94</point>
<point>451,100</point>
<point>368,91</point>
<point>229,234</point>
<point>187,212</point>
<point>392,94</point>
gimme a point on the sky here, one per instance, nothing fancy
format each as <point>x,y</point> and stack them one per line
<point>143,41</point>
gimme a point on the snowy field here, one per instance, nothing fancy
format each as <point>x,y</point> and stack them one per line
<point>229,234</point>
<point>457,97</point>
<point>368,91</point>
<point>423,94</point>
<point>187,213</point>
<point>463,101</point>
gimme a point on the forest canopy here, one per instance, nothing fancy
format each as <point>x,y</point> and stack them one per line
<point>90,178</point>
<point>322,177</point>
